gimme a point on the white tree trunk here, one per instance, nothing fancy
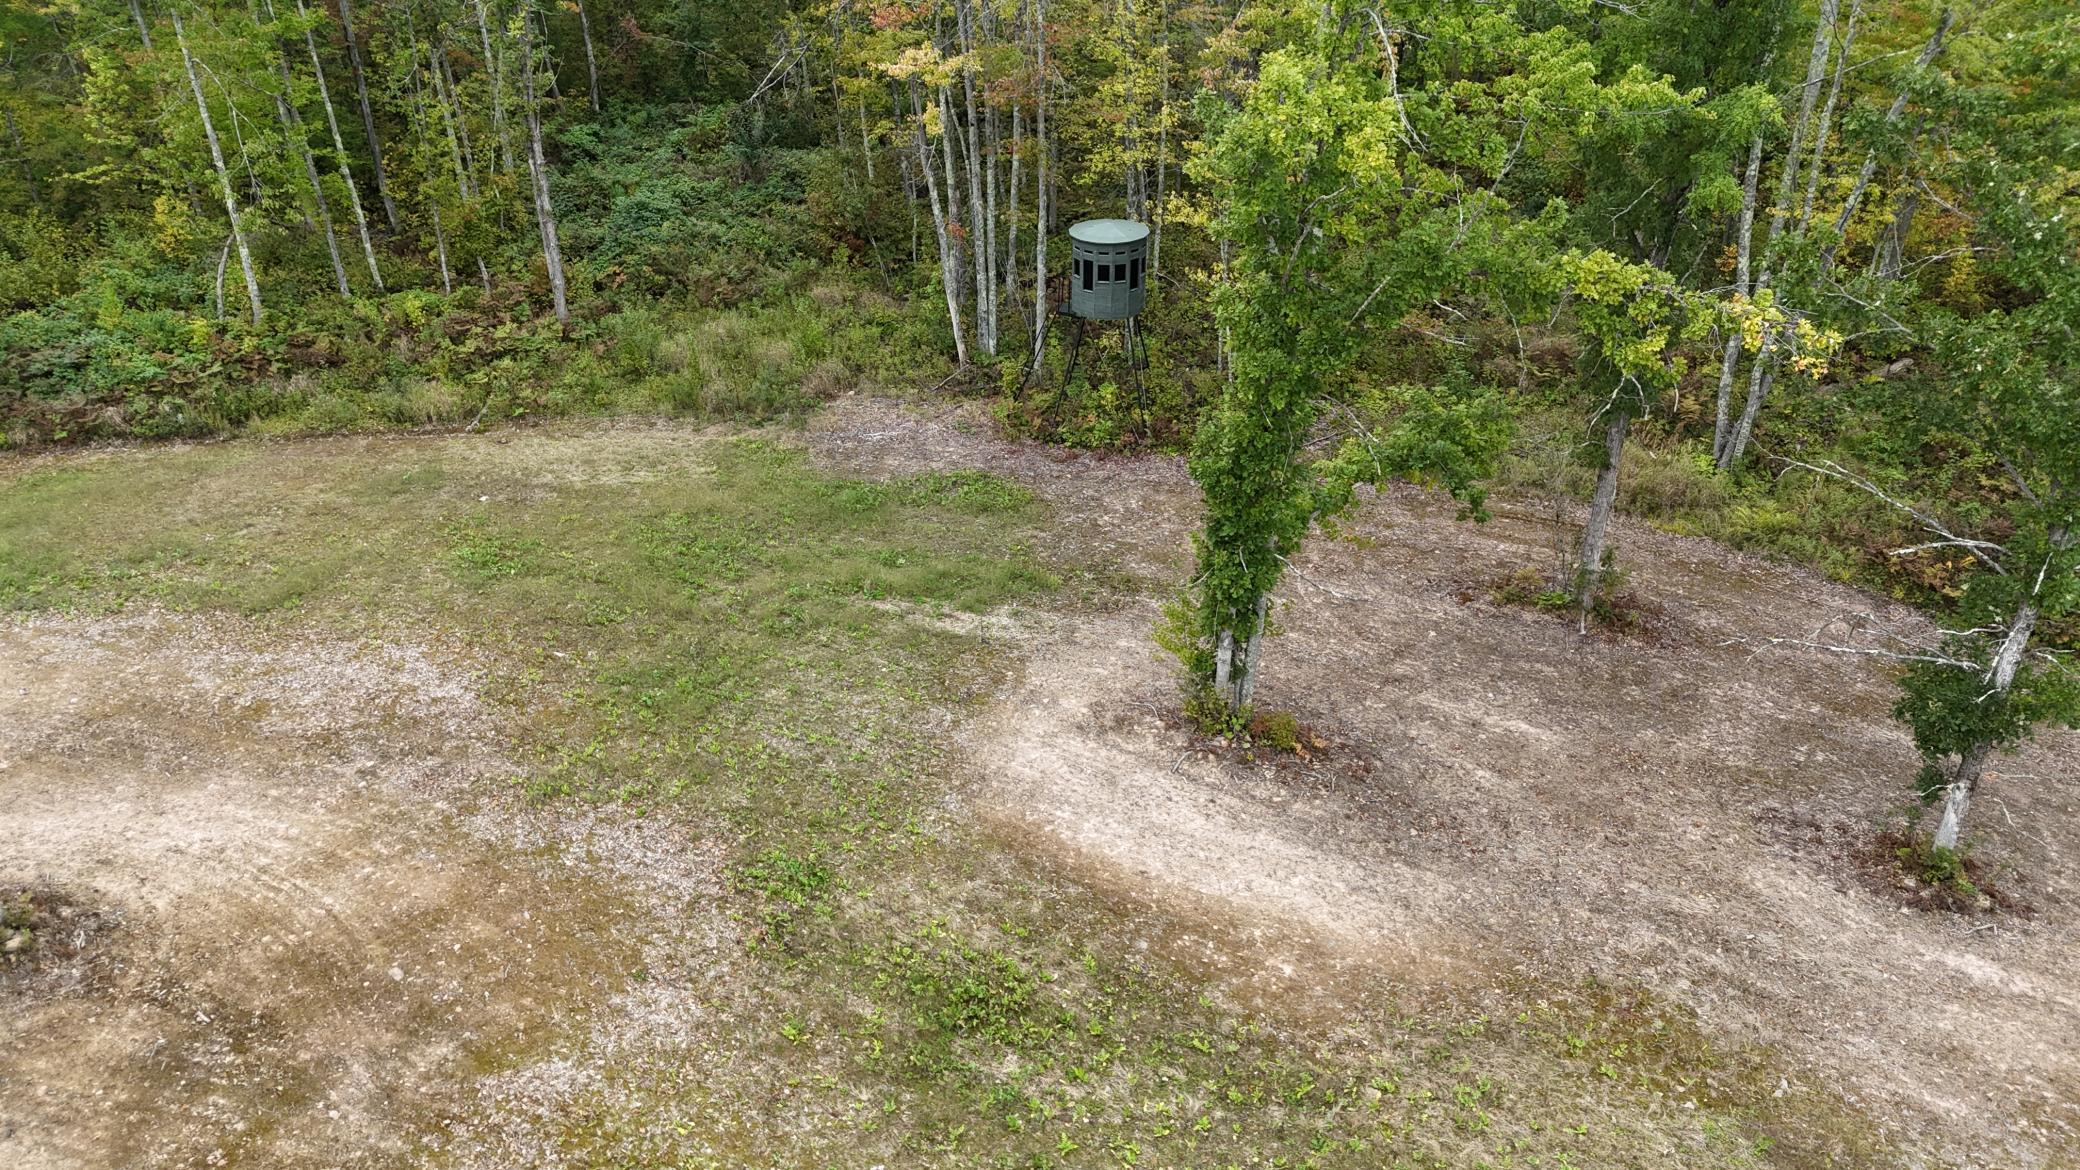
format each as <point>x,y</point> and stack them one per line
<point>538,170</point>
<point>1018,145</point>
<point>978,204</point>
<point>1809,96</point>
<point>1834,93</point>
<point>1155,235</point>
<point>1761,376</point>
<point>1040,188</point>
<point>2000,679</point>
<point>592,64</point>
<point>223,259</point>
<point>463,158</point>
<point>495,77</point>
<point>378,175</point>
<point>1745,244</point>
<point>216,158</point>
<point>866,141</point>
<point>339,151</point>
<point>292,123</point>
<point>1870,160</point>
<point>1235,663</point>
<point>960,236</point>
<point>440,246</point>
<point>1890,260</point>
<point>1246,686</point>
<point>144,31</point>
<point>949,267</point>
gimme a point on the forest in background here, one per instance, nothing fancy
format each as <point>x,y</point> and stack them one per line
<point>1795,275</point>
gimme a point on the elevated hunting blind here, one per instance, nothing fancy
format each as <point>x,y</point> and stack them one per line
<point>1108,281</point>
<point>1108,269</point>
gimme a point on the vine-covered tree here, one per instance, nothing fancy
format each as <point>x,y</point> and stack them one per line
<point>1351,189</point>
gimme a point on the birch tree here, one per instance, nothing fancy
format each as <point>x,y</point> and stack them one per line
<point>299,138</point>
<point>368,116</point>
<point>339,149</point>
<point>1790,226</point>
<point>538,172</point>
<point>2012,381</point>
<point>216,158</point>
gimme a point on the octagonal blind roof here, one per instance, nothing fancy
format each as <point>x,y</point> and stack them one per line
<point>1108,231</point>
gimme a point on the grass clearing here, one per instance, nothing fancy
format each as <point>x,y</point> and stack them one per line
<point>738,642</point>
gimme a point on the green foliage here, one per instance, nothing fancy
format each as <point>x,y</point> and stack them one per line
<point>1529,587</point>
<point>788,884</point>
<point>487,554</point>
<point>1277,730</point>
<point>1937,866</point>
<point>1313,253</point>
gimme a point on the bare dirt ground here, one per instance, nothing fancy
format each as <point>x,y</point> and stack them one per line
<point>320,934</point>
<point>317,929</point>
<point>1503,796</point>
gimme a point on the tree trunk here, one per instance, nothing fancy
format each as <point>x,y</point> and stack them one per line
<point>978,204</point>
<point>440,246</point>
<point>1809,96</point>
<point>339,151</point>
<point>144,31</point>
<point>1018,143</point>
<point>993,145</point>
<point>256,191</point>
<point>592,63</point>
<point>1734,442</point>
<point>1834,93</point>
<point>1870,159</point>
<point>539,25</point>
<point>292,123</point>
<point>433,202</point>
<point>1761,376</point>
<point>1235,663</point>
<point>960,233</point>
<point>949,266</point>
<point>216,158</point>
<point>1040,188</point>
<point>495,77</point>
<point>1155,232</point>
<point>866,142</point>
<point>2007,660</point>
<point>368,118</point>
<point>223,259</point>
<point>1890,262</point>
<point>452,116</point>
<point>538,170</point>
<point>1596,529</point>
<point>1741,284</point>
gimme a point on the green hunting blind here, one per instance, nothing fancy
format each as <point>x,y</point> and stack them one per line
<point>1108,269</point>
<point>1108,281</point>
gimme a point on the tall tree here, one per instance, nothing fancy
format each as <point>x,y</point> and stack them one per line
<point>538,171</point>
<point>216,158</point>
<point>377,174</point>
<point>299,139</point>
<point>339,148</point>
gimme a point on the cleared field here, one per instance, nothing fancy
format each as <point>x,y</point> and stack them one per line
<point>637,794</point>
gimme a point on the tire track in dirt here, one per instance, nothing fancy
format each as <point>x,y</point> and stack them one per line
<point>1504,797</point>
<point>331,923</point>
